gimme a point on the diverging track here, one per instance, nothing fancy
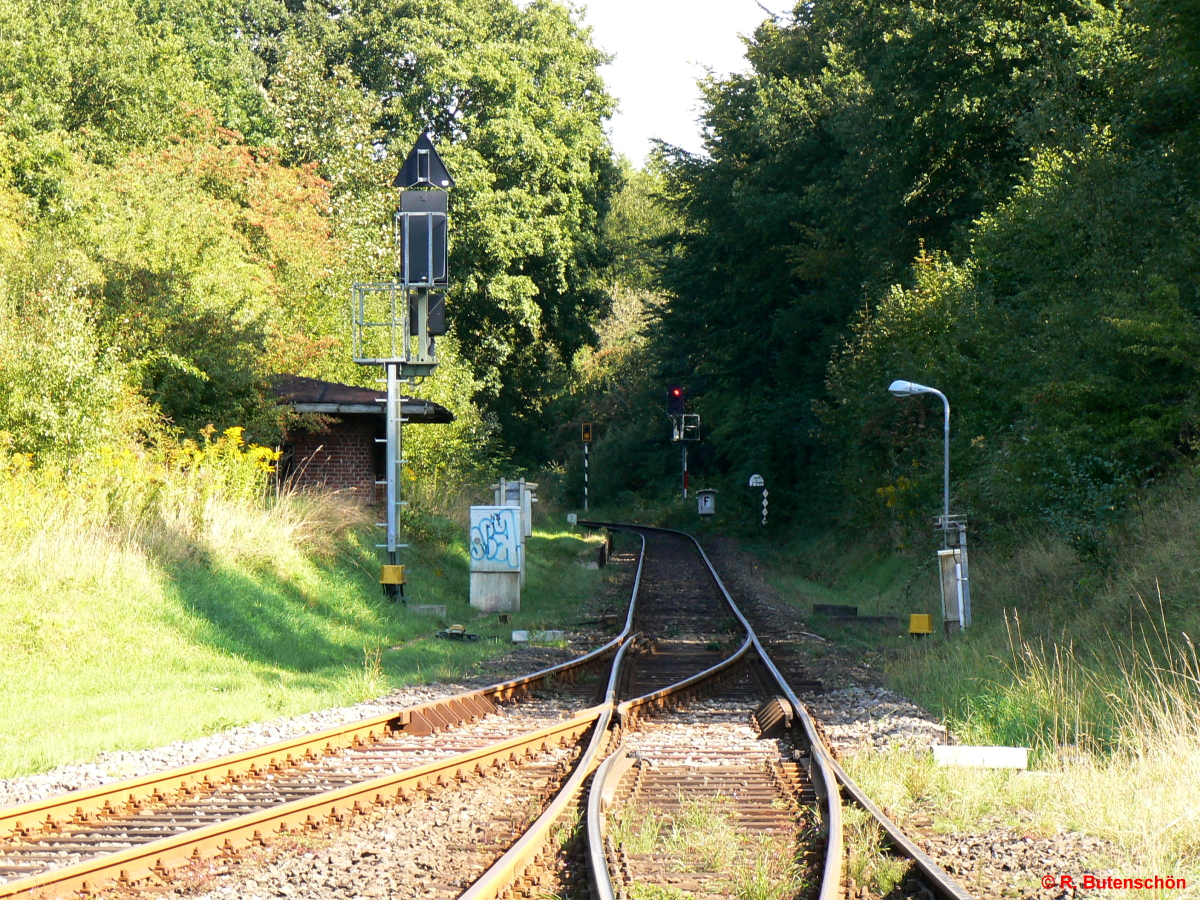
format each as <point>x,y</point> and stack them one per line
<point>706,775</point>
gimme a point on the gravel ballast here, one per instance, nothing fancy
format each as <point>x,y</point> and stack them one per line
<point>122,765</point>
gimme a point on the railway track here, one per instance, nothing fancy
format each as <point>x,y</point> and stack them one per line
<point>687,725</point>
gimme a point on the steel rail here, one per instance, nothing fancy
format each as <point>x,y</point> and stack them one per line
<point>614,765</point>
<point>942,882</point>
<point>822,773</point>
<point>832,774</point>
<point>108,801</point>
<point>159,857</point>
<point>519,859</point>
<point>629,708</point>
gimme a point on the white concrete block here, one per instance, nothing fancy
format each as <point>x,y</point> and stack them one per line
<point>524,637</point>
<point>981,757</point>
<point>496,591</point>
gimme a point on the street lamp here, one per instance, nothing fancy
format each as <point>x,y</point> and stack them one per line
<point>907,389</point>
<point>955,582</point>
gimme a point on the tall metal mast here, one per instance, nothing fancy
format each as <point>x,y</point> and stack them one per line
<point>395,322</point>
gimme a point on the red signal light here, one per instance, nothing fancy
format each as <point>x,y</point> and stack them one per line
<point>675,400</point>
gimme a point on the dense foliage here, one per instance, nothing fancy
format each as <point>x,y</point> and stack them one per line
<point>997,198</point>
<point>992,196</point>
<point>189,187</point>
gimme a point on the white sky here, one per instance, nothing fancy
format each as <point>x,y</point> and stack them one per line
<point>662,48</point>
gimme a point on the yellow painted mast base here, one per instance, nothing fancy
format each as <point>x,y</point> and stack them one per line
<point>393,579</point>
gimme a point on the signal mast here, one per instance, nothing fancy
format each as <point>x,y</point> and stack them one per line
<point>685,426</point>
<point>395,322</point>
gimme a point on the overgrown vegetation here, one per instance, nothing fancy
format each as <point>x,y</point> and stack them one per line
<point>170,594</point>
<point>993,198</point>
<point>187,190</point>
<point>1095,670</point>
<point>870,863</point>
<point>702,836</point>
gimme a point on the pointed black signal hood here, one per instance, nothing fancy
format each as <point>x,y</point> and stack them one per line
<point>423,168</point>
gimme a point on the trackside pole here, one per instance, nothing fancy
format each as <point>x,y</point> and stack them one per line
<point>388,316</point>
<point>393,573</point>
<point>394,461</point>
<point>685,471</point>
<point>585,476</point>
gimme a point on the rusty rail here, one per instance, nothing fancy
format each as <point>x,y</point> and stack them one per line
<point>829,779</point>
<point>515,865</point>
<point>422,719</point>
<point>160,856</point>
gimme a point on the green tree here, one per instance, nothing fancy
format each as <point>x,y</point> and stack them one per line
<point>981,138</point>
<point>512,96</point>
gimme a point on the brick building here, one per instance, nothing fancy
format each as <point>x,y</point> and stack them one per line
<point>343,451</point>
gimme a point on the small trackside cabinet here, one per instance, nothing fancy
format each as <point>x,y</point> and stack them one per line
<point>706,502</point>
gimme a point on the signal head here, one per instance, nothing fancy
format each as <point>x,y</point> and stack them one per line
<point>676,400</point>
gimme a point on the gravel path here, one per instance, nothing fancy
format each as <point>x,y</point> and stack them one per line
<point>706,733</point>
<point>855,719</point>
<point>121,765</point>
<point>1009,864</point>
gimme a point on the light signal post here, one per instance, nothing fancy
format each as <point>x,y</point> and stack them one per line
<point>587,441</point>
<point>395,322</point>
<point>685,427</point>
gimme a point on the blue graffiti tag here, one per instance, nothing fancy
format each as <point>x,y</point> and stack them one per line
<point>494,540</point>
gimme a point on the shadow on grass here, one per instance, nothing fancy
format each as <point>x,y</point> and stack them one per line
<point>332,615</point>
<point>268,619</point>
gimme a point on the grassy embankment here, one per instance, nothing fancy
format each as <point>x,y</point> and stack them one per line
<point>154,599</point>
<point>1093,669</point>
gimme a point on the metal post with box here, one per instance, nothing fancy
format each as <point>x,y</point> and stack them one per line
<point>685,427</point>
<point>954,576</point>
<point>394,323</point>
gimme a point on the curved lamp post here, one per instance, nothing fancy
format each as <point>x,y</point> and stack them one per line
<point>907,389</point>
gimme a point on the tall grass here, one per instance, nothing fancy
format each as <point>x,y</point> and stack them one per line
<point>1093,668</point>
<point>1116,734</point>
<point>1096,670</point>
<point>154,595</point>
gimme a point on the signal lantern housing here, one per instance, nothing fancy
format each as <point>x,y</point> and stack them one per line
<point>675,400</point>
